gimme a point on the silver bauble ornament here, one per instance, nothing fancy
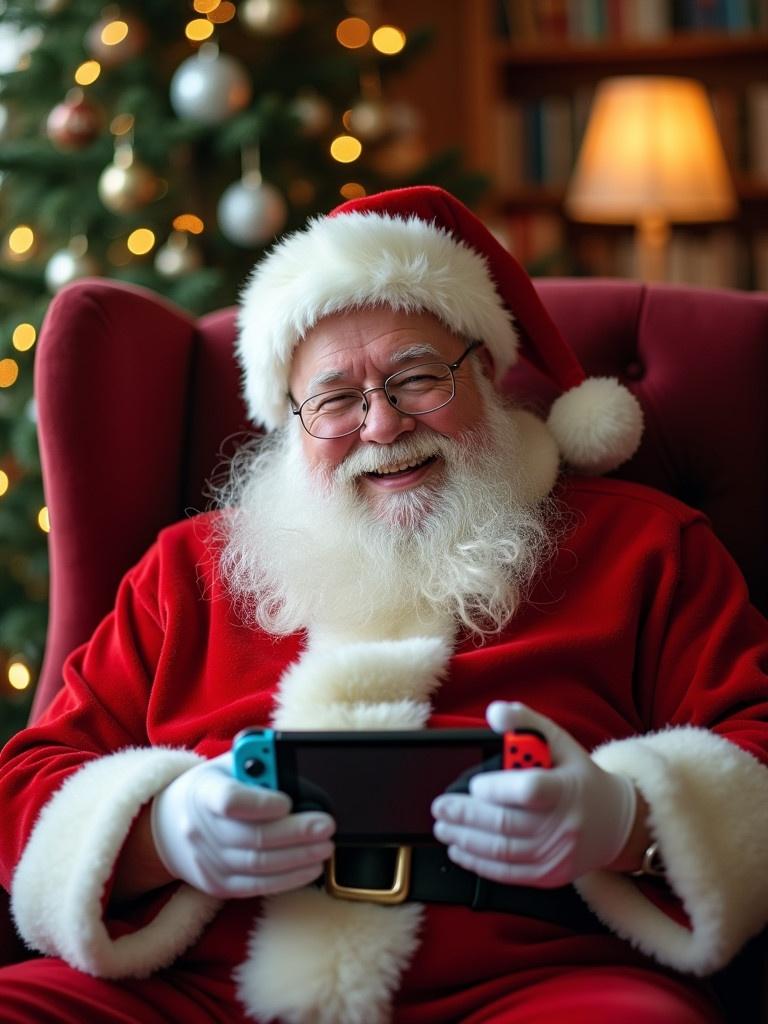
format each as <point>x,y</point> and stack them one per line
<point>210,86</point>
<point>271,17</point>
<point>251,213</point>
<point>126,184</point>
<point>178,256</point>
<point>69,264</point>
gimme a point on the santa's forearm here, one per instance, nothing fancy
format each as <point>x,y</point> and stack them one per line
<point>139,869</point>
<point>631,856</point>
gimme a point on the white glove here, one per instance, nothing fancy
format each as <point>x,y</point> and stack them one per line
<point>543,827</point>
<point>234,840</point>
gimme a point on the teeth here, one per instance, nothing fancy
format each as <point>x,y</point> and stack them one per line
<point>386,470</point>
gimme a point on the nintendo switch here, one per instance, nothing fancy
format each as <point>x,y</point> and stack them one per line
<point>379,785</point>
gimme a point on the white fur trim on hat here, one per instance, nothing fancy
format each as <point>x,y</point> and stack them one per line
<point>597,425</point>
<point>353,261</point>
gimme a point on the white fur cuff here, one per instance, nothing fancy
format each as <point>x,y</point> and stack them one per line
<point>709,813</point>
<point>59,883</point>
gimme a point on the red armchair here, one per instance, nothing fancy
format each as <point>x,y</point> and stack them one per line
<point>135,400</point>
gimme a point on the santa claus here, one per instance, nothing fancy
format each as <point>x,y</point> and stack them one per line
<point>404,549</point>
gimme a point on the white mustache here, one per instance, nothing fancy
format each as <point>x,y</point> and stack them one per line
<point>374,458</point>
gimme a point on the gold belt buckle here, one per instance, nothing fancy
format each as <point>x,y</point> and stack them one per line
<point>397,893</point>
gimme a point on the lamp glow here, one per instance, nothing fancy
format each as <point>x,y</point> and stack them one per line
<point>44,519</point>
<point>651,156</point>
<point>5,482</point>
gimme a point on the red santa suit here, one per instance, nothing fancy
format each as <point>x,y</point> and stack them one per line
<point>637,638</point>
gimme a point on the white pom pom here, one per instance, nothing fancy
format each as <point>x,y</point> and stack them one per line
<point>597,425</point>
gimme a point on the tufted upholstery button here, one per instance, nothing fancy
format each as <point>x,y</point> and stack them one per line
<point>634,370</point>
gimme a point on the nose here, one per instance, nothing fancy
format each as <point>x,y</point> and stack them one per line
<point>384,422</point>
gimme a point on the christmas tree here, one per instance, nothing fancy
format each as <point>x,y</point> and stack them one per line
<point>166,143</point>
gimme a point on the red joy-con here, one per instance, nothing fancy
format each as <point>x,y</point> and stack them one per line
<point>526,748</point>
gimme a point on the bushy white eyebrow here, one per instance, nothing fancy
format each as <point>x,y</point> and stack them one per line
<point>419,350</point>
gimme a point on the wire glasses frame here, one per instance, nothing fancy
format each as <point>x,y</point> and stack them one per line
<point>414,391</point>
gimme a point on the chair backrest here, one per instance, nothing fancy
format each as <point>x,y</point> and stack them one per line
<point>138,402</point>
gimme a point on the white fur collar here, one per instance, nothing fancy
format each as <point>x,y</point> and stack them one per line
<point>313,958</point>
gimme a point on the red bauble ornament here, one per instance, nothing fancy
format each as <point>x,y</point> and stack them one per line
<point>75,122</point>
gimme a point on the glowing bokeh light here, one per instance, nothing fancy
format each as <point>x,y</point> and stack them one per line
<point>189,222</point>
<point>198,29</point>
<point>388,40</point>
<point>353,33</point>
<point>352,190</point>
<point>346,148</point>
<point>114,32</point>
<point>21,239</point>
<point>222,13</point>
<point>24,337</point>
<point>19,675</point>
<point>9,372</point>
<point>88,72</point>
<point>140,241</point>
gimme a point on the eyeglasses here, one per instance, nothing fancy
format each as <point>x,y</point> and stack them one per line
<point>415,391</point>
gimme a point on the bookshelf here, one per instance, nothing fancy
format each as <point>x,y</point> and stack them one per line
<point>518,77</point>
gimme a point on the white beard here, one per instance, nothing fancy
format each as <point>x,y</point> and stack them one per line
<point>305,551</point>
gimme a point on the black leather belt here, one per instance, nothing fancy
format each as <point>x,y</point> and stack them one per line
<point>424,874</point>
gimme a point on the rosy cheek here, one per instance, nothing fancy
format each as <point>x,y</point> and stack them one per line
<point>325,454</point>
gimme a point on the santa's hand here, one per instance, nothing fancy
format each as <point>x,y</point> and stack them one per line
<point>540,827</point>
<point>233,840</point>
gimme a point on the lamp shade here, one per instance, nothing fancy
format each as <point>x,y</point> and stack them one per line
<point>651,149</point>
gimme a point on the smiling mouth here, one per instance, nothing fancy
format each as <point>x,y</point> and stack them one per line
<point>401,468</point>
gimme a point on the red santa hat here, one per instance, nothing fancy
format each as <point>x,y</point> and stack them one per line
<point>421,250</point>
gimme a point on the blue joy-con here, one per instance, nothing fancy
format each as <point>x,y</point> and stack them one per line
<point>254,757</point>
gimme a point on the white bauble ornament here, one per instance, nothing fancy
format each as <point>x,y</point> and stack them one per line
<point>178,256</point>
<point>270,17</point>
<point>210,86</point>
<point>69,264</point>
<point>126,184</point>
<point>251,213</point>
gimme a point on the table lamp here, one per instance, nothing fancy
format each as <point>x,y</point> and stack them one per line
<point>651,155</point>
